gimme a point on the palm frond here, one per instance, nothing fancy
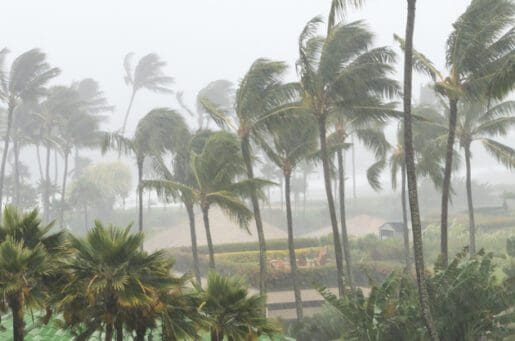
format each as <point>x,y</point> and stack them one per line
<point>502,153</point>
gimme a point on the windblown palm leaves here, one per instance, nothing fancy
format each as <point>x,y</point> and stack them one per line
<point>341,73</point>
<point>148,74</point>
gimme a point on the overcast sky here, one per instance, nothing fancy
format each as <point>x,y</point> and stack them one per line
<point>202,40</point>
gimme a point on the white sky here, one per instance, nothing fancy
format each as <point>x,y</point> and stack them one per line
<point>202,40</point>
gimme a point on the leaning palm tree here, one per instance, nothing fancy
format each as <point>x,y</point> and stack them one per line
<point>335,70</point>
<point>26,80</point>
<point>286,146</point>
<point>478,123</point>
<point>28,263</point>
<point>215,170</point>
<point>159,131</point>
<point>261,97</point>
<point>231,312</point>
<point>148,74</point>
<point>479,57</point>
<point>409,159</point>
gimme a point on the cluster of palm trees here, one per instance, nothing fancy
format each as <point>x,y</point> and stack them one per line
<point>344,94</point>
<point>103,283</point>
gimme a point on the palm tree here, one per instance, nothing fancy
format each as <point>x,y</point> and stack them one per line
<point>479,58</point>
<point>159,131</point>
<point>148,74</point>
<point>335,70</point>
<point>109,275</point>
<point>409,159</point>
<point>261,97</point>
<point>25,81</point>
<point>480,123</point>
<point>219,92</point>
<point>215,170</point>
<point>288,145</point>
<point>231,312</point>
<point>28,263</point>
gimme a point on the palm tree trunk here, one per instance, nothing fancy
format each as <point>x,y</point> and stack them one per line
<point>446,187</point>
<point>119,329</point>
<point>7,137</point>
<point>40,165</point>
<point>63,189</point>
<point>330,202</point>
<point>140,194</point>
<point>46,195</point>
<point>109,331</point>
<point>205,217</point>
<point>281,188</point>
<point>291,247</point>
<point>353,147</point>
<point>128,112</point>
<point>245,147</point>
<point>16,305</point>
<point>56,171</point>
<point>472,224</point>
<point>217,335</point>
<point>343,220</point>
<point>193,232</point>
<point>16,150</point>
<point>405,231</point>
<point>140,334</point>
<point>412,176</point>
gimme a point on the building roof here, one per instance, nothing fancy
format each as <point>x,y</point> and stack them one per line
<point>397,227</point>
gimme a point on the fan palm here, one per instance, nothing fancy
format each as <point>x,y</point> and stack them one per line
<point>479,57</point>
<point>261,97</point>
<point>148,74</point>
<point>409,159</point>
<point>219,92</point>
<point>26,80</point>
<point>109,275</point>
<point>159,131</point>
<point>335,70</point>
<point>231,312</point>
<point>215,170</point>
<point>28,263</point>
<point>288,146</point>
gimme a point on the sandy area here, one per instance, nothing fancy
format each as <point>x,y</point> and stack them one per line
<point>223,231</point>
<point>357,226</point>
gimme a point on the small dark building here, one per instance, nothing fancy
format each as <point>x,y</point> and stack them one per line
<point>390,230</point>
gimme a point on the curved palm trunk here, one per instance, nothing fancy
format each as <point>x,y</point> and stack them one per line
<point>405,231</point>
<point>291,248</point>
<point>472,223</point>
<point>193,233</point>
<point>140,194</point>
<point>16,305</point>
<point>245,147</point>
<point>46,195</point>
<point>131,101</point>
<point>63,189</point>
<point>330,202</point>
<point>446,187</point>
<point>343,220</point>
<point>412,177</point>
<point>205,217</point>
<point>16,150</point>
<point>7,137</point>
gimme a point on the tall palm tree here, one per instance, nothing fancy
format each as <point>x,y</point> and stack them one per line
<point>159,131</point>
<point>287,146</point>
<point>231,311</point>
<point>148,74</point>
<point>219,92</point>
<point>261,97</point>
<point>478,123</point>
<point>409,159</point>
<point>26,80</point>
<point>334,70</point>
<point>28,263</point>
<point>215,170</point>
<point>479,57</point>
<point>109,275</point>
